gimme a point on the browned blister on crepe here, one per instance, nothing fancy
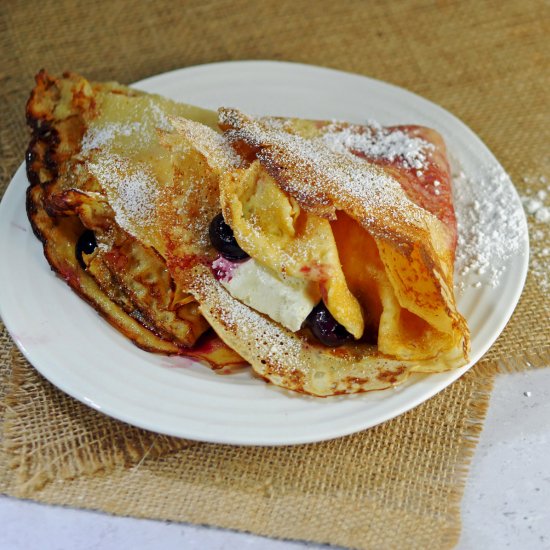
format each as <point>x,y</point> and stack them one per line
<point>95,165</point>
<point>346,225</point>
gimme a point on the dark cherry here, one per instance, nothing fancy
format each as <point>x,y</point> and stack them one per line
<point>223,240</point>
<point>86,244</point>
<point>325,327</point>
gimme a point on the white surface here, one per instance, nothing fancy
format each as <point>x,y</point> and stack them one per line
<point>506,503</point>
<point>146,390</point>
<point>507,498</point>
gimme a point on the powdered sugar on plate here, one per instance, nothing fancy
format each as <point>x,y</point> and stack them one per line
<point>491,227</point>
<point>536,202</point>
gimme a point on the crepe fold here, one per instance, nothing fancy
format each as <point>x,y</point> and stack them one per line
<point>94,164</point>
<point>382,262</point>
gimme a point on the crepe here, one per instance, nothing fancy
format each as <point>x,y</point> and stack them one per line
<point>94,163</point>
<point>355,218</point>
<point>355,225</point>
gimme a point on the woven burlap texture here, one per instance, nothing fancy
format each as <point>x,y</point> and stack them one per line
<point>77,442</point>
<point>340,492</point>
<point>484,61</point>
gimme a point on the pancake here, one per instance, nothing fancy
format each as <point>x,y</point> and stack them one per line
<point>82,219</point>
<point>332,211</point>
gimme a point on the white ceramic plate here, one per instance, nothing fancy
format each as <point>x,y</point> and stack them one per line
<point>80,353</point>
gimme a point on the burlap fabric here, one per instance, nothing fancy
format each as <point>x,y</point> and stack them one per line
<point>398,485</point>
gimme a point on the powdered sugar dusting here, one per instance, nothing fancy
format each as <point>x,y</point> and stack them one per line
<point>321,176</point>
<point>280,349</point>
<point>213,146</point>
<point>491,227</point>
<point>141,130</point>
<point>377,142</point>
<point>97,137</point>
<point>537,205</point>
<point>122,149</point>
<point>131,189</point>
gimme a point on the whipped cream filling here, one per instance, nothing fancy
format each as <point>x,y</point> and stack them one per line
<point>286,300</point>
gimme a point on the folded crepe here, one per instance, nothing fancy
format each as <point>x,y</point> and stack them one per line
<point>322,212</point>
<point>347,225</point>
<point>94,165</point>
